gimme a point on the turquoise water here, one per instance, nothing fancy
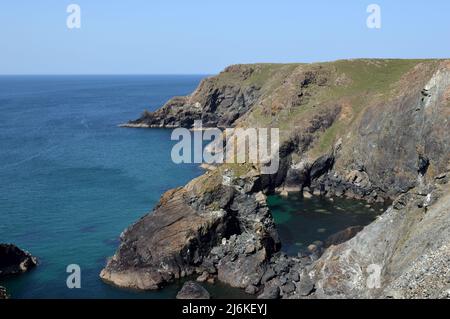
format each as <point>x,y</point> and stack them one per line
<point>301,221</point>
<point>71,180</point>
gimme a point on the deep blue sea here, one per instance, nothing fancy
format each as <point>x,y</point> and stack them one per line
<point>71,180</point>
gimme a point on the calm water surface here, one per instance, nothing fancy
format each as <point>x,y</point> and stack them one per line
<point>301,221</point>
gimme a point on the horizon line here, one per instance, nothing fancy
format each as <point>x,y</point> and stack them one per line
<point>103,74</point>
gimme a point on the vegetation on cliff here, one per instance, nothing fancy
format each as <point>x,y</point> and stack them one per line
<point>369,129</point>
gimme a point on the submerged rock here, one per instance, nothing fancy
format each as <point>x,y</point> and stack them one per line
<point>14,261</point>
<point>193,290</point>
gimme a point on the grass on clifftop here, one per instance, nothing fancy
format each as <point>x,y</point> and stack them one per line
<point>372,81</point>
<point>290,105</point>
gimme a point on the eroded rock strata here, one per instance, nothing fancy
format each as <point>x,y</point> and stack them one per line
<point>182,235</point>
<point>376,130</point>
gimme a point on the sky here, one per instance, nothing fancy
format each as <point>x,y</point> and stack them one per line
<point>204,36</point>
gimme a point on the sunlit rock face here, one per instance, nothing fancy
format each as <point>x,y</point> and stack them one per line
<point>374,130</point>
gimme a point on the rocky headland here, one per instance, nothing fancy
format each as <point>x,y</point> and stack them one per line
<point>376,130</point>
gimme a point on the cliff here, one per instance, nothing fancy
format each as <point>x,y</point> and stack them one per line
<point>369,129</point>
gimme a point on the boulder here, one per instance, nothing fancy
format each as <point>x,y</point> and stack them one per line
<point>270,293</point>
<point>3,294</point>
<point>193,290</point>
<point>306,286</point>
<point>203,277</point>
<point>251,289</point>
<point>269,274</point>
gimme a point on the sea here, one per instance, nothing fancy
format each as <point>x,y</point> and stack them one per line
<point>71,180</point>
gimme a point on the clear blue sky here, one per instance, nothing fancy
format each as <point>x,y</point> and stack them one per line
<point>204,36</point>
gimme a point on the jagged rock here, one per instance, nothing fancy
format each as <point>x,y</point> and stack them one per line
<point>294,275</point>
<point>403,254</point>
<point>14,261</point>
<point>242,271</point>
<point>306,286</point>
<point>251,289</point>
<point>189,229</point>
<point>216,104</point>
<point>203,277</point>
<point>321,166</point>
<point>250,249</point>
<point>192,290</point>
<point>288,288</point>
<point>269,274</point>
<point>165,244</point>
<point>270,293</point>
<point>3,294</point>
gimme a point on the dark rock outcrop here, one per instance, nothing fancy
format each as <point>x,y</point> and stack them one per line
<point>218,102</point>
<point>14,261</point>
<point>193,290</point>
<point>3,294</point>
<point>270,292</point>
<point>196,229</point>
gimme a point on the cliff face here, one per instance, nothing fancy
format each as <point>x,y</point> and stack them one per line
<point>372,129</point>
<point>182,234</point>
<point>404,254</point>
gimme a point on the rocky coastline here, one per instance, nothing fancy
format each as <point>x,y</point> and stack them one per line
<point>376,130</point>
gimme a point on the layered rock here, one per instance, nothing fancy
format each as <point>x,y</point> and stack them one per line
<point>218,102</point>
<point>404,254</point>
<point>179,237</point>
<point>369,129</point>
